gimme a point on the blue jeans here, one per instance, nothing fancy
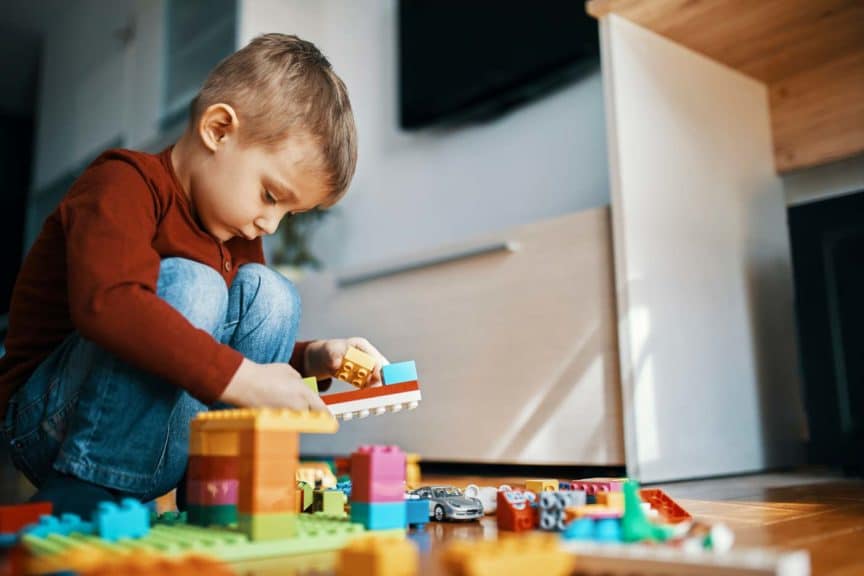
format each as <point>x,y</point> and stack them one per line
<point>87,414</point>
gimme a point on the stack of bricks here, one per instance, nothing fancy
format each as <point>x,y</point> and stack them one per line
<point>244,464</point>
<point>552,508</point>
<point>378,487</point>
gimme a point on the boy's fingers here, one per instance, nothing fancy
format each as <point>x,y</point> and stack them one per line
<point>315,402</point>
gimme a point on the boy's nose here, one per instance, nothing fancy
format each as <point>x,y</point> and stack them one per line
<point>266,225</point>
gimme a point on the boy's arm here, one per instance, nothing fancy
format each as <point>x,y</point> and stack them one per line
<point>110,220</point>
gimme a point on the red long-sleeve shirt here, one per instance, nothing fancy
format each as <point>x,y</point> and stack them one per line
<point>94,269</point>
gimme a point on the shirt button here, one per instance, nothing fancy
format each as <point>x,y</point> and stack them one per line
<point>227,265</point>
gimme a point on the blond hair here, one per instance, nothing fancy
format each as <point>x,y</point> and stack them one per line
<point>281,85</point>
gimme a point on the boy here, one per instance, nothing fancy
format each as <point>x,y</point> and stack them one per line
<point>144,300</point>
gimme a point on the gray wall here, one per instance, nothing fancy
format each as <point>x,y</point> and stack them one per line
<point>416,191</point>
<point>820,182</point>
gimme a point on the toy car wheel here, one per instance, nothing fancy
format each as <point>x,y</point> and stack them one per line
<point>439,513</point>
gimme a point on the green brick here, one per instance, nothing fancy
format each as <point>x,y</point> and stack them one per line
<point>221,515</point>
<point>265,526</point>
<point>315,533</point>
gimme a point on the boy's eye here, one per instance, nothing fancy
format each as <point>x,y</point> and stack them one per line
<point>269,197</point>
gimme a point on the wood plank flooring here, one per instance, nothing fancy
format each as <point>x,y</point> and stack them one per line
<point>815,510</point>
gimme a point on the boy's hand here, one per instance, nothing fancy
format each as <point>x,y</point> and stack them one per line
<point>324,357</point>
<point>270,385</point>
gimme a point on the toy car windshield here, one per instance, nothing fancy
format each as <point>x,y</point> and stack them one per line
<point>443,492</point>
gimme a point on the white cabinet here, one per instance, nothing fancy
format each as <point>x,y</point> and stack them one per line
<point>515,348</point>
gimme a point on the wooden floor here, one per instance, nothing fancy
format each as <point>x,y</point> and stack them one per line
<point>815,510</point>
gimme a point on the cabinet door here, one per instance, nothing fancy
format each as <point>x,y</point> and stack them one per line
<point>515,350</point>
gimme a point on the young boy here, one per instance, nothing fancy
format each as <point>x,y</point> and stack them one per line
<point>144,300</point>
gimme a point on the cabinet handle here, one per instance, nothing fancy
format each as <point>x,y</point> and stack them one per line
<point>448,256</point>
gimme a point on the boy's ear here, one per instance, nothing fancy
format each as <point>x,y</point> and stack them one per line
<point>218,123</point>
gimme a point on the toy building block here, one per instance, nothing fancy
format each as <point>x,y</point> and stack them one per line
<point>272,526</point>
<point>412,470</point>
<point>380,515</point>
<point>212,467</point>
<point>594,511</point>
<point>417,510</point>
<point>356,368</point>
<point>552,507</point>
<point>487,495</point>
<point>329,502</point>
<point>516,511</point>
<point>377,400</point>
<point>611,499</point>
<point>312,383</point>
<point>651,560</point>
<point>317,474</point>
<point>635,527</point>
<point>129,520</point>
<point>597,530</point>
<point>65,525</point>
<point>313,534</point>
<point>669,510</point>
<point>541,485</point>
<point>378,474</point>
<point>14,518</point>
<point>530,554</point>
<point>212,492</point>
<point>378,556</point>
<point>399,372</point>
<point>265,419</point>
<point>594,485</point>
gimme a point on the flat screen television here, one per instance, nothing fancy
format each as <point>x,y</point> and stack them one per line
<point>474,60</point>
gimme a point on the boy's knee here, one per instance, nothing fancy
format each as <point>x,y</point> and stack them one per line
<point>273,290</point>
<point>195,290</point>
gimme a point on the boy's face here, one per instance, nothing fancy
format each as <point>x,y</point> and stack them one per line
<point>245,190</point>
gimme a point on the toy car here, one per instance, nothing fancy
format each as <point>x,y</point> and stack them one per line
<point>448,503</point>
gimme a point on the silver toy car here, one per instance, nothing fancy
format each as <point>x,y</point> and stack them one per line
<point>448,503</point>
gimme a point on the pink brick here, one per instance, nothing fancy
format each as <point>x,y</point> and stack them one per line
<point>212,492</point>
<point>378,474</point>
<point>595,486</point>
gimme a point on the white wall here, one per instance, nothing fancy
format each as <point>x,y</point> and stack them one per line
<point>706,330</point>
<point>415,191</point>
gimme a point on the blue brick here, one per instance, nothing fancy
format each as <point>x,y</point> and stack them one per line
<point>380,515</point>
<point>418,512</point>
<point>579,529</point>
<point>65,525</point>
<point>399,372</point>
<point>607,530</point>
<point>130,520</point>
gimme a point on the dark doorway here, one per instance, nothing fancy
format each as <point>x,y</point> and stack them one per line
<point>827,240</point>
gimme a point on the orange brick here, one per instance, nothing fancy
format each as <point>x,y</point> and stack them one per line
<point>269,444</point>
<point>261,498</point>
<point>268,471</point>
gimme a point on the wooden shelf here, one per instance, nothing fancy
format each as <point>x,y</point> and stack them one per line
<point>810,53</point>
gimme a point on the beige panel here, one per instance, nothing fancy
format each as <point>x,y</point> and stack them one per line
<point>818,115</point>
<point>516,351</point>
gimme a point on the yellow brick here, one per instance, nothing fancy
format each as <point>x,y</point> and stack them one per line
<point>542,485</point>
<point>378,556</point>
<point>356,367</point>
<point>525,554</point>
<point>611,499</point>
<point>266,418</point>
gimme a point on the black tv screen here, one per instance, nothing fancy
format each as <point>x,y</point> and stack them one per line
<point>473,60</point>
